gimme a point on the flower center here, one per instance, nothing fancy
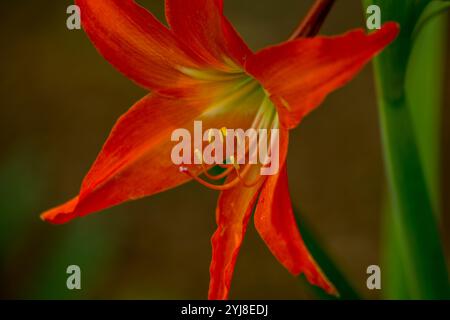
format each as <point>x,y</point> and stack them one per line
<point>256,142</point>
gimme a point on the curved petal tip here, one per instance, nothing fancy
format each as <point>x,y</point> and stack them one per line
<point>61,214</point>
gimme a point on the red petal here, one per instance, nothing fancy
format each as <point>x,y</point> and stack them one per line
<point>136,159</point>
<point>202,24</point>
<point>299,74</point>
<point>135,42</point>
<point>233,211</point>
<point>275,222</point>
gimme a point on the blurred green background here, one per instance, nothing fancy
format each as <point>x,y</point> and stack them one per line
<point>59,99</point>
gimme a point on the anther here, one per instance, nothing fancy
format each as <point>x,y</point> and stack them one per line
<point>224,131</point>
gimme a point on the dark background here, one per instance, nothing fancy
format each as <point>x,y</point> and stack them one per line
<point>59,100</point>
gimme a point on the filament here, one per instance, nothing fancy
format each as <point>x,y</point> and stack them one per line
<point>266,117</point>
<point>218,176</point>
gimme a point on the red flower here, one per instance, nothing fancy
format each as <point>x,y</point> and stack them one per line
<point>200,69</point>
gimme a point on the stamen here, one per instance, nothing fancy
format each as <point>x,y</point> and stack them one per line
<point>266,117</point>
<point>223,187</point>
<point>222,175</point>
<point>249,184</point>
<point>226,186</point>
<point>234,163</point>
<point>217,176</point>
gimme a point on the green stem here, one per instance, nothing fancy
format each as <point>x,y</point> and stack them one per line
<point>412,213</point>
<point>412,209</point>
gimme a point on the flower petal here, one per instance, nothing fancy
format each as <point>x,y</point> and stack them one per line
<point>233,211</point>
<point>204,27</point>
<point>136,159</point>
<point>275,222</point>
<point>136,43</point>
<point>299,74</point>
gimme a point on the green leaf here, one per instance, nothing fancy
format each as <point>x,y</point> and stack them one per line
<point>426,74</point>
<point>433,10</point>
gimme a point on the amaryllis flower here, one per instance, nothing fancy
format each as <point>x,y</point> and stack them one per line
<point>199,68</point>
